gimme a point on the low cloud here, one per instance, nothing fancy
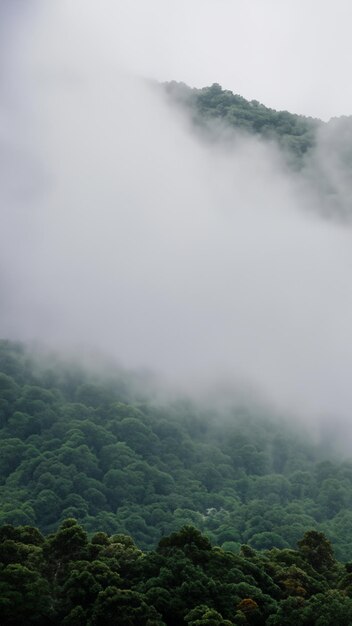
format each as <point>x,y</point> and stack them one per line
<point>123,231</point>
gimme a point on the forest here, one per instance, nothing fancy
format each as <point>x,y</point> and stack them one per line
<point>116,499</point>
<point>295,134</point>
<point>176,313</point>
<point>78,443</point>
<point>72,579</point>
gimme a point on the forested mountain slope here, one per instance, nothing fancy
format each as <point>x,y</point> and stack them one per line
<point>296,134</point>
<point>75,444</point>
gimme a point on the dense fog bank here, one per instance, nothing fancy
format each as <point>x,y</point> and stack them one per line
<point>121,230</point>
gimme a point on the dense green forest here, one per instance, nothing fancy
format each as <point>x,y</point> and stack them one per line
<point>120,505</point>
<point>295,134</point>
<point>319,151</point>
<point>70,579</point>
<point>98,448</point>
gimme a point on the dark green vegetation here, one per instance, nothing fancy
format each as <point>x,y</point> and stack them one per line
<point>319,153</point>
<point>74,444</point>
<point>294,133</point>
<point>67,579</point>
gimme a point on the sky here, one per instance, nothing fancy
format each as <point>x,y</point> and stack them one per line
<point>289,55</point>
<point>122,231</point>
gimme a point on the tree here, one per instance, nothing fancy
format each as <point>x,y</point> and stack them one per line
<point>123,607</point>
<point>317,550</point>
<point>8,393</point>
<point>202,615</point>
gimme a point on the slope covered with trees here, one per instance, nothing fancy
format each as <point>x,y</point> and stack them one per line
<point>93,447</point>
<point>318,151</point>
<point>71,580</point>
<point>296,134</point>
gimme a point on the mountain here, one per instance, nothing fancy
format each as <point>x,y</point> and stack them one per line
<point>296,134</point>
<point>121,502</point>
<point>84,445</point>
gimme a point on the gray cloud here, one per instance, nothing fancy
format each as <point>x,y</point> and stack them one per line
<point>125,232</point>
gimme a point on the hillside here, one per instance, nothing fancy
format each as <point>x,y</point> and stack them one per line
<point>75,444</point>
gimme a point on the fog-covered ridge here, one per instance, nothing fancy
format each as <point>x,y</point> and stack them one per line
<point>125,231</point>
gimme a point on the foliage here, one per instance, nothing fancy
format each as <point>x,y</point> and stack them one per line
<point>213,106</point>
<point>71,580</point>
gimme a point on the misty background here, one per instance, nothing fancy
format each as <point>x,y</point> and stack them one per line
<point>123,231</point>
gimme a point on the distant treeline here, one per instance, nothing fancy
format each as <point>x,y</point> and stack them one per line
<point>75,444</point>
<point>294,133</point>
<point>69,579</point>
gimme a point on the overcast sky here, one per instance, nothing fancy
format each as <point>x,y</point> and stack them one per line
<point>288,54</point>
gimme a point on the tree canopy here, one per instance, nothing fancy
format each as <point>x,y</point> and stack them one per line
<point>67,578</point>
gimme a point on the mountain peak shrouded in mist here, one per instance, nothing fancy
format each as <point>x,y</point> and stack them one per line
<point>295,134</point>
<point>127,230</point>
<point>175,312</point>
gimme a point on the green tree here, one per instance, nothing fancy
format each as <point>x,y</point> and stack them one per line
<point>24,597</point>
<point>317,550</point>
<point>202,615</point>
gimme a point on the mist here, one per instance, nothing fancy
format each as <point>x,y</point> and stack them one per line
<point>123,231</point>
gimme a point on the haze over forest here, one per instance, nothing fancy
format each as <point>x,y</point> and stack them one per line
<point>126,232</point>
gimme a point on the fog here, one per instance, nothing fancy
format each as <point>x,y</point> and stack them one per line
<point>123,231</point>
